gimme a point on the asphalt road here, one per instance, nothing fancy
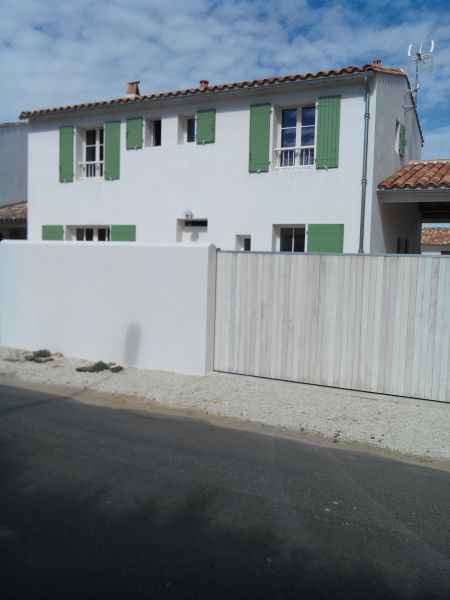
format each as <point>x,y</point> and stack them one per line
<point>105,503</point>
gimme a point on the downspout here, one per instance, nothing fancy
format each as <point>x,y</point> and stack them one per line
<point>364,169</point>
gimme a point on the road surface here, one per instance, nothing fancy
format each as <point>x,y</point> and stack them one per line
<point>97,502</point>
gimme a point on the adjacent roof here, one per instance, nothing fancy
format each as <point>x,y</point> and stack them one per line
<point>204,90</point>
<point>14,212</point>
<point>436,236</point>
<point>420,175</point>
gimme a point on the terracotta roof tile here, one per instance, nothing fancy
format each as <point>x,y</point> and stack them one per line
<point>436,236</point>
<point>14,212</point>
<point>268,81</point>
<point>420,174</point>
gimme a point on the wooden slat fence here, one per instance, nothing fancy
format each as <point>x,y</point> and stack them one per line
<point>372,323</point>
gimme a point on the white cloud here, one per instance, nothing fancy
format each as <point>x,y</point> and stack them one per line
<point>437,143</point>
<point>57,52</point>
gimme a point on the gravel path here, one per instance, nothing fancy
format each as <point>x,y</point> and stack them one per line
<point>413,427</point>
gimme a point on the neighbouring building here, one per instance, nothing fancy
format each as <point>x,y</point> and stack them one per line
<point>423,186</point>
<point>13,180</point>
<point>436,240</point>
<point>286,163</point>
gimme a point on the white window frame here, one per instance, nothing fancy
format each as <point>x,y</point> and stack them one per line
<point>71,232</point>
<point>277,236</point>
<point>92,169</point>
<point>240,242</point>
<point>297,156</point>
<point>183,128</point>
<point>150,132</point>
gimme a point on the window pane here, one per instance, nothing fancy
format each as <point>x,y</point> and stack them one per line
<point>80,234</point>
<point>90,137</point>
<point>191,130</point>
<point>288,138</point>
<point>289,117</point>
<point>308,115</point>
<point>157,133</point>
<point>286,240</point>
<point>299,240</point>
<point>101,236</point>
<point>247,244</point>
<point>101,153</point>
<point>90,153</point>
<point>307,136</point>
<point>101,136</point>
<point>89,234</point>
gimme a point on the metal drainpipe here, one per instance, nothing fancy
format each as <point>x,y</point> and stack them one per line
<point>364,169</point>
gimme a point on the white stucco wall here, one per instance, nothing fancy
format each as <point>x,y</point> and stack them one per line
<point>388,222</point>
<point>13,162</point>
<point>138,304</point>
<point>157,184</point>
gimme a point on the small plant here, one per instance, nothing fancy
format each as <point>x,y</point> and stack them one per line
<point>99,366</point>
<point>42,353</point>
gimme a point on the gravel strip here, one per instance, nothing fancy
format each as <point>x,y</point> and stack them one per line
<point>414,427</point>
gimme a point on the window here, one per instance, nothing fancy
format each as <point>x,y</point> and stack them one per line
<point>153,132</point>
<point>291,238</point>
<point>190,129</point>
<point>192,230</point>
<point>243,243</point>
<point>92,162</point>
<point>198,223</point>
<point>94,233</point>
<point>297,137</point>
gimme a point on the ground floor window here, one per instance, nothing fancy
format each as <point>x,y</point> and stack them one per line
<point>94,233</point>
<point>290,238</point>
<point>192,230</point>
<point>243,243</point>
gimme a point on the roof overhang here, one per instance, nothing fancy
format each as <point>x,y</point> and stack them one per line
<point>405,196</point>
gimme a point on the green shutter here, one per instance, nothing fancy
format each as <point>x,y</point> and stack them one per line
<point>123,233</point>
<point>206,126</point>
<point>134,133</point>
<point>325,238</point>
<point>66,154</point>
<point>402,140</point>
<point>112,150</point>
<point>52,232</point>
<point>259,138</point>
<point>328,124</point>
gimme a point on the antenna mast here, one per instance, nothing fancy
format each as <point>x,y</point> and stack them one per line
<point>419,61</point>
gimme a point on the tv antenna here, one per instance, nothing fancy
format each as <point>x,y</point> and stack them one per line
<point>419,62</point>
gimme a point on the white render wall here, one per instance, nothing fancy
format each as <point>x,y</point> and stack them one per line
<point>157,184</point>
<point>13,162</point>
<point>390,221</point>
<point>142,305</point>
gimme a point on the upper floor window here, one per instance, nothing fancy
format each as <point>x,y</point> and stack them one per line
<point>92,163</point>
<point>153,132</point>
<point>297,137</point>
<point>190,129</point>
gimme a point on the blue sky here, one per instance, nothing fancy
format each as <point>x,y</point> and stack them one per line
<point>55,52</point>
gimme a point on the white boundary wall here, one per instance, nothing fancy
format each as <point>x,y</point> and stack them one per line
<point>372,323</point>
<point>150,306</point>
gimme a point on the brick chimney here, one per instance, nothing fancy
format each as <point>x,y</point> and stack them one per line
<point>133,89</point>
<point>203,84</point>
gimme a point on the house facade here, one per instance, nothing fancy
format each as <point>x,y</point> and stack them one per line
<point>286,163</point>
<point>13,180</point>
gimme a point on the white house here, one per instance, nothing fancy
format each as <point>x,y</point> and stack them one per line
<point>286,163</point>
